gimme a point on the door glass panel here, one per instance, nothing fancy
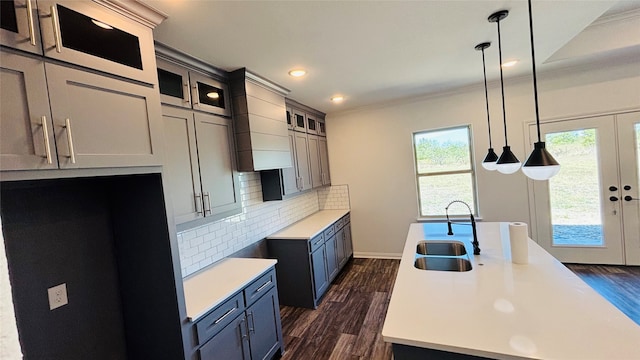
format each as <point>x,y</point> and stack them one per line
<point>211,95</point>
<point>8,20</point>
<point>170,84</point>
<point>299,120</point>
<point>574,193</point>
<point>82,33</point>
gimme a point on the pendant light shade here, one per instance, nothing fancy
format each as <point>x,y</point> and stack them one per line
<point>507,163</point>
<point>489,162</point>
<point>540,165</point>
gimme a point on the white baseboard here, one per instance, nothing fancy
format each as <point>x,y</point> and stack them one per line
<point>375,255</point>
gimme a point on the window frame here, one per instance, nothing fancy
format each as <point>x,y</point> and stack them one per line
<point>471,170</point>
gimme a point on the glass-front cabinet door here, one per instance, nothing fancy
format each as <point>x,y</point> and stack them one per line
<point>173,82</point>
<point>299,121</point>
<point>322,127</point>
<point>19,26</point>
<point>312,124</point>
<point>88,34</point>
<point>209,95</point>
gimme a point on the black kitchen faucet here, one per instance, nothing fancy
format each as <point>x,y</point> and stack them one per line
<point>475,243</point>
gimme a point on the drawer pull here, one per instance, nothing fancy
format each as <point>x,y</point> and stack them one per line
<point>263,286</point>
<point>318,242</point>
<point>224,316</point>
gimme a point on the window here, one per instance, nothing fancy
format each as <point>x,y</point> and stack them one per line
<point>444,171</point>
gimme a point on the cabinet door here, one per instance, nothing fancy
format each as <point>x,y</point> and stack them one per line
<point>19,26</point>
<point>26,130</point>
<point>302,160</point>
<point>347,241</point>
<point>320,275</point>
<point>324,160</point>
<point>231,343</point>
<point>332,261</point>
<point>289,118</point>
<point>341,248</point>
<point>262,319</point>
<point>173,82</point>
<point>314,161</point>
<point>181,164</point>
<point>209,95</point>
<point>216,155</point>
<point>312,124</point>
<point>299,120</point>
<point>322,127</point>
<point>88,34</point>
<point>103,122</point>
<point>290,177</point>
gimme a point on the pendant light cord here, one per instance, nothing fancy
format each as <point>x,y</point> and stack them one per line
<point>486,96</point>
<point>535,80</point>
<point>504,112</point>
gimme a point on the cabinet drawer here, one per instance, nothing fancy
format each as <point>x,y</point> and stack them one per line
<point>328,232</point>
<point>316,242</point>
<point>259,287</point>
<point>216,320</point>
<point>339,224</point>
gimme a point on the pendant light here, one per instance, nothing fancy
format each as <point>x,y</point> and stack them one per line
<point>508,163</point>
<point>489,162</point>
<point>540,165</point>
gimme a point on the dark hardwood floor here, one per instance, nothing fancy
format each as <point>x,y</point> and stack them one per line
<point>618,284</point>
<point>348,322</point>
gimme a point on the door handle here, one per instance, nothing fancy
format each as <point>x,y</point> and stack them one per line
<point>627,187</point>
<point>56,29</point>
<point>72,152</point>
<point>47,145</point>
<point>613,188</point>
<point>198,201</point>
<point>30,22</point>
<point>613,198</point>
<point>207,209</point>
<point>629,198</point>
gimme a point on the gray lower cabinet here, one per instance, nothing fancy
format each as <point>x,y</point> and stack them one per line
<point>200,165</point>
<point>246,326</point>
<point>307,266</point>
<point>95,121</point>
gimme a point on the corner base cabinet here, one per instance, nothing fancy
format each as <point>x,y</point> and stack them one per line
<point>308,263</point>
<point>246,326</point>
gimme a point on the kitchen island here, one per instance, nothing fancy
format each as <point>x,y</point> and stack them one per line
<point>501,310</point>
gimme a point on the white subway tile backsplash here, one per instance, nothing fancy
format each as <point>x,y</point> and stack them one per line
<point>202,246</point>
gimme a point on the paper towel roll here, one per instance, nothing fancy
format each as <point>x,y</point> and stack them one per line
<point>519,239</point>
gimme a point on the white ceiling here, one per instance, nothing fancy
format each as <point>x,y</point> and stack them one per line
<point>379,51</point>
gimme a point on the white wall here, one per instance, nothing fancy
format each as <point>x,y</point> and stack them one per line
<point>370,149</point>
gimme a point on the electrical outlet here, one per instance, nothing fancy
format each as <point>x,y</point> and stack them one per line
<point>57,296</point>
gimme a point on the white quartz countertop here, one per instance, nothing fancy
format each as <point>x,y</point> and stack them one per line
<point>503,310</point>
<point>206,289</point>
<point>310,226</point>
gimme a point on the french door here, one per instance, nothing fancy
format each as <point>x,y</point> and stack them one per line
<point>589,212</point>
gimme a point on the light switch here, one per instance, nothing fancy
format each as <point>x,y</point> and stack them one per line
<point>57,296</point>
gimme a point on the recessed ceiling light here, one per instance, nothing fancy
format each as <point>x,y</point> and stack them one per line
<point>101,24</point>
<point>213,95</point>
<point>337,98</point>
<point>297,72</point>
<point>509,63</point>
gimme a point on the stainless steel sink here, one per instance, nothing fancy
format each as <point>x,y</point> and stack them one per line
<point>441,247</point>
<point>442,263</point>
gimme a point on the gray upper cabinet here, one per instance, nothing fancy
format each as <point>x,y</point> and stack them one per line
<point>173,83</point>
<point>200,165</point>
<point>324,161</point>
<point>19,26</point>
<point>314,161</point>
<point>103,122</point>
<point>88,34</point>
<point>312,124</point>
<point>182,172</point>
<point>302,161</point>
<point>322,127</point>
<point>26,130</point>
<point>299,120</point>
<point>260,120</point>
<point>290,178</point>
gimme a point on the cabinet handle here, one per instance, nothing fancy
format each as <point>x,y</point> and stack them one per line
<point>198,201</point>
<point>32,30</point>
<point>208,203</point>
<point>252,325</point>
<point>56,28</point>
<point>195,93</point>
<point>229,312</point>
<point>45,134</point>
<point>72,153</point>
<point>263,286</point>
<point>243,334</point>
